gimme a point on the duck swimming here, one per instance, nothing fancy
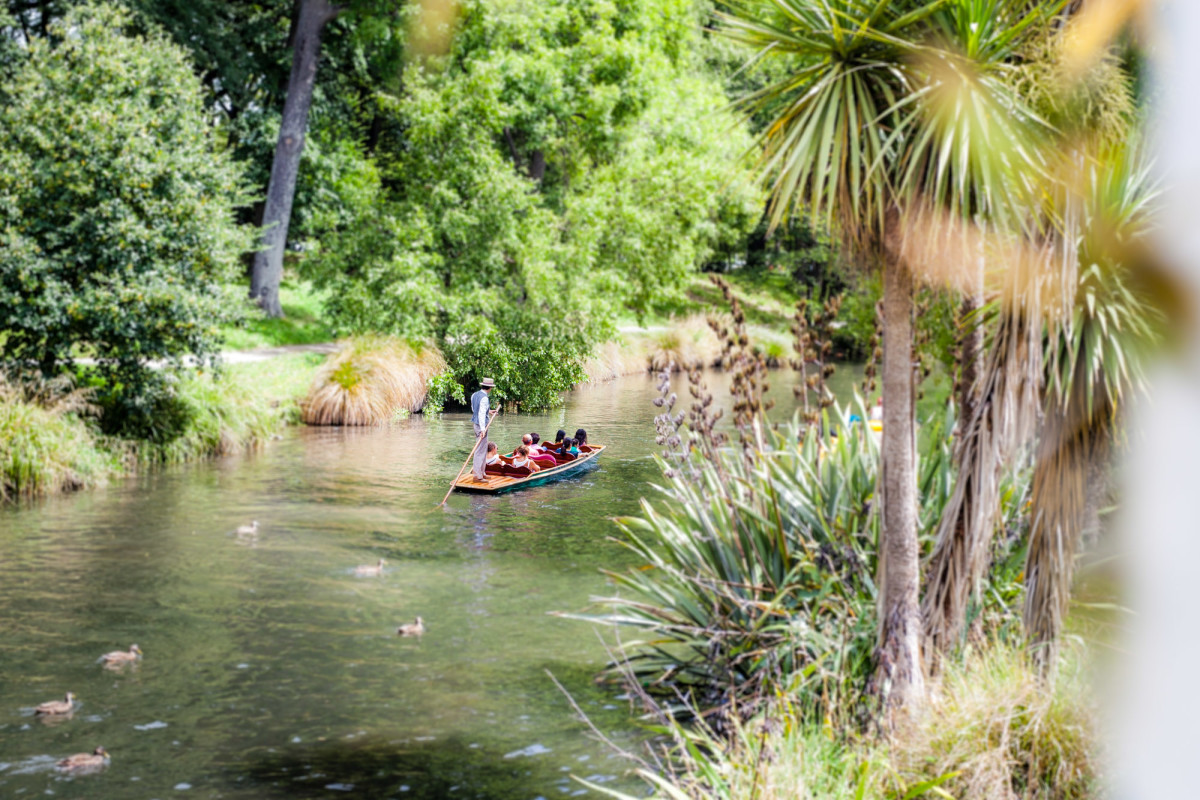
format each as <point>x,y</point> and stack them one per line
<point>415,628</point>
<point>57,706</point>
<point>248,530</point>
<point>370,570</point>
<point>118,657</point>
<point>84,761</point>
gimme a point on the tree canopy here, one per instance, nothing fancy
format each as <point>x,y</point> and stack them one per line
<point>117,202</point>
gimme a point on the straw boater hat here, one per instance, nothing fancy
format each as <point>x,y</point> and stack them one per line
<point>487,383</point>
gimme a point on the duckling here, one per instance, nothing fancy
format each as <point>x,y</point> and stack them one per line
<point>85,761</point>
<point>118,657</point>
<point>412,628</point>
<point>57,706</point>
<point>370,570</point>
<point>248,530</point>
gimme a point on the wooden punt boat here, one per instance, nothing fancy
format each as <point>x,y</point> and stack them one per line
<point>494,484</point>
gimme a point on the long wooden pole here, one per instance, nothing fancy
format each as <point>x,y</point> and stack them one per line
<point>478,441</point>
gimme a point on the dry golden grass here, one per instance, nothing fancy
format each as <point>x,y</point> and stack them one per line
<point>688,344</point>
<point>371,381</point>
<point>1005,734</point>
<point>615,359</point>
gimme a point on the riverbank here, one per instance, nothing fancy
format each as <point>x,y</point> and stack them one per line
<point>51,443</point>
<point>992,731</point>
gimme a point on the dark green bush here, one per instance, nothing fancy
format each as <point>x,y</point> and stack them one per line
<point>533,357</point>
<point>116,206</point>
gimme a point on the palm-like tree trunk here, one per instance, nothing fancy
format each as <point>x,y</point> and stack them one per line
<point>1071,443</point>
<point>1003,416</point>
<point>900,670</point>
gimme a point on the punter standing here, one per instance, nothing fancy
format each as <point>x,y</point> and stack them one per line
<point>481,415</point>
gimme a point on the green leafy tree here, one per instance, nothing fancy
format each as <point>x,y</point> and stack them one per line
<point>116,204</point>
<point>555,167</point>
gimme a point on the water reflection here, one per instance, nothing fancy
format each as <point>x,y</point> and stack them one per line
<point>270,670</point>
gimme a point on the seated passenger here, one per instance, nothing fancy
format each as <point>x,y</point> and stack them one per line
<point>493,463</point>
<point>558,440</point>
<point>542,457</point>
<point>581,441</point>
<point>521,459</point>
<point>569,448</point>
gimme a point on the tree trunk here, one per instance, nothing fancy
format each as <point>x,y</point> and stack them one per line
<point>512,148</point>
<point>306,47</point>
<point>900,678</point>
<point>970,349</point>
<point>537,165</point>
<point>1071,440</point>
<point>1005,408</point>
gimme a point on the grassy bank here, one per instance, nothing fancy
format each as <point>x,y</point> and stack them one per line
<point>991,732</point>
<point>51,443</point>
<point>302,322</point>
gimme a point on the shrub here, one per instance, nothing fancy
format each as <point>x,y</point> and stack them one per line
<point>370,381</point>
<point>116,204</point>
<point>217,415</point>
<point>759,567</point>
<point>442,387</point>
<point>758,576</point>
<point>533,357</point>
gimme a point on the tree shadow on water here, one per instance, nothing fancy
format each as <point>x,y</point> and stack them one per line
<point>375,768</point>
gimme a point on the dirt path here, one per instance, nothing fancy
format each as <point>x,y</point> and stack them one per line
<point>267,353</point>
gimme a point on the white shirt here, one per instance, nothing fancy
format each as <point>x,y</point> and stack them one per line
<point>480,404</point>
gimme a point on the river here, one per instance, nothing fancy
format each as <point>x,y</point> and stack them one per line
<point>271,670</point>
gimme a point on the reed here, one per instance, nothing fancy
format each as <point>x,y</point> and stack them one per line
<point>45,446</point>
<point>222,415</point>
<point>371,381</point>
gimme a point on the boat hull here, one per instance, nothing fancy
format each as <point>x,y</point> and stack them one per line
<point>495,484</point>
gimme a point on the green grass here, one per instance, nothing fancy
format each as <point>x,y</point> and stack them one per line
<point>995,731</point>
<point>53,446</point>
<point>282,381</point>
<point>46,449</point>
<point>302,322</point>
<point>768,299</point>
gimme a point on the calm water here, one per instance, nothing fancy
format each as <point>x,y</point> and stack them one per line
<point>270,670</point>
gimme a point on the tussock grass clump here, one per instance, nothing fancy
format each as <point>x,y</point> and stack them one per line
<point>687,344</point>
<point>1004,735</point>
<point>45,446</point>
<point>371,380</point>
<point>993,731</point>
<point>615,359</point>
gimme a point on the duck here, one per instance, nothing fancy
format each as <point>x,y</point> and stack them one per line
<point>65,706</point>
<point>248,530</point>
<point>82,761</point>
<point>121,657</point>
<point>415,628</point>
<point>370,570</point>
